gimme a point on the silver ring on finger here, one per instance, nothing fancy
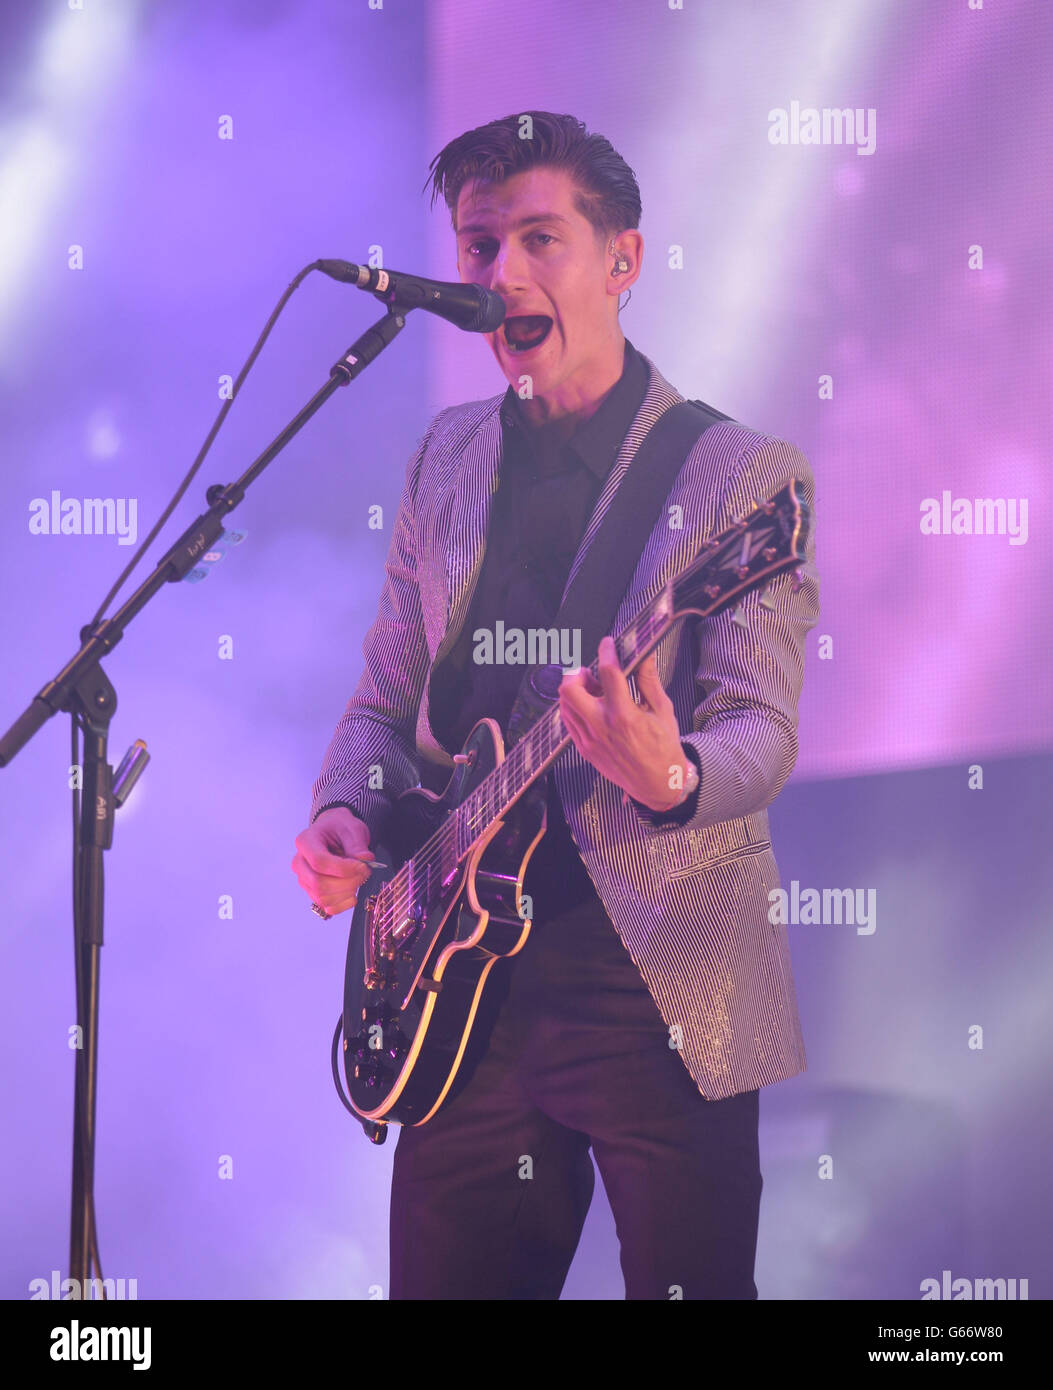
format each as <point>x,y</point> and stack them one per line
<point>320,911</point>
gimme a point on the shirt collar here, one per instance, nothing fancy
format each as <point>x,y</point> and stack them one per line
<point>597,440</point>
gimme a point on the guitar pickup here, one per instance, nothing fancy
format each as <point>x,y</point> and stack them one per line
<point>407,926</point>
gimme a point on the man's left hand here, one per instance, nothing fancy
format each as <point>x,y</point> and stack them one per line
<point>636,746</point>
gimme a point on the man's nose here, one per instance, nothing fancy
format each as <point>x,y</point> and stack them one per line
<point>508,271</point>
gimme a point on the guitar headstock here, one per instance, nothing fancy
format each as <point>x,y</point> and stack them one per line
<point>771,539</point>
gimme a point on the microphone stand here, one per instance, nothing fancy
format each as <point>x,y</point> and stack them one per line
<point>83,690</point>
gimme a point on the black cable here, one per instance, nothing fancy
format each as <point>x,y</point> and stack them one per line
<point>336,1071</point>
<point>224,408</point>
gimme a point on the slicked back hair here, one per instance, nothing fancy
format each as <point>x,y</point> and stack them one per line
<point>606,193</point>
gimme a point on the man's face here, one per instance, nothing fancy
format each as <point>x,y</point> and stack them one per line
<point>524,239</point>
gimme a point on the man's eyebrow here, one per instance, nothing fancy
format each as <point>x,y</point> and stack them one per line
<point>470,228</point>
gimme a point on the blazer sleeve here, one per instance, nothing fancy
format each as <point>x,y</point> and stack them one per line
<point>372,757</point>
<point>750,667</point>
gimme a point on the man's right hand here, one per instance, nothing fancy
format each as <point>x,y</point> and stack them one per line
<point>331,860</point>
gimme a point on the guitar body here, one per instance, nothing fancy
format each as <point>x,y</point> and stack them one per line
<point>419,953</point>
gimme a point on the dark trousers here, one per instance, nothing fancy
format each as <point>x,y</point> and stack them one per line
<point>489,1198</point>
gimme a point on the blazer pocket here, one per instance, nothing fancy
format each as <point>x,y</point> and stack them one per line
<point>704,865</point>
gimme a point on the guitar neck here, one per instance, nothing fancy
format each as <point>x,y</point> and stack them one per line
<point>546,739</point>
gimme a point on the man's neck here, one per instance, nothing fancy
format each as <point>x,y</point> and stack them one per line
<point>555,421</point>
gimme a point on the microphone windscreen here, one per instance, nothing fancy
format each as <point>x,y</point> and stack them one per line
<point>491,312</point>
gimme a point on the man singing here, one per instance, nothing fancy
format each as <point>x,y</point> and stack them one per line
<point>653,997</point>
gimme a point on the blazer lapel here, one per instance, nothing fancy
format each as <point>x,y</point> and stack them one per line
<point>659,398</point>
<point>473,478</point>
<point>475,485</point>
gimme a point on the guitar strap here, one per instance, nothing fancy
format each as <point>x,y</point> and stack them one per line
<point>607,566</point>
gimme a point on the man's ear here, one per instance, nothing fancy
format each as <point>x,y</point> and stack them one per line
<point>631,245</point>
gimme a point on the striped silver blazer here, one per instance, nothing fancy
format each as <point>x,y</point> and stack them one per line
<point>690,902</point>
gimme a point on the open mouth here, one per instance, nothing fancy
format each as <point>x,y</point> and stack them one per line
<point>524,332</point>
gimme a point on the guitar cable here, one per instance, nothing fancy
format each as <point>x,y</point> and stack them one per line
<point>376,1130</point>
<point>335,1058</point>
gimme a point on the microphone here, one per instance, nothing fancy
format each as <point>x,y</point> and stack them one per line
<point>467,306</point>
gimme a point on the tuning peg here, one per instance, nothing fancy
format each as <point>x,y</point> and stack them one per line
<point>739,617</point>
<point>767,598</point>
<point>798,580</point>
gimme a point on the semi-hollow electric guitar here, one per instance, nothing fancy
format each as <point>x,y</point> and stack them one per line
<point>447,903</point>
